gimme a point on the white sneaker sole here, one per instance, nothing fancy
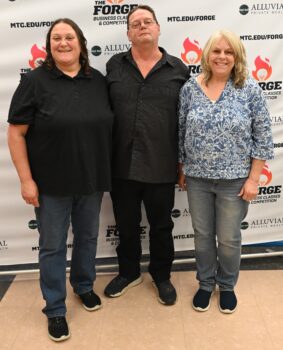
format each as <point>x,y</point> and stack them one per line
<point>201,309</point>
<point>227,311</point>
<point>130,285</point>
<point>97,307</point>
<point>64,337</point>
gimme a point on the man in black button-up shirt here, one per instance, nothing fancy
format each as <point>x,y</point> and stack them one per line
<point>144,85</point>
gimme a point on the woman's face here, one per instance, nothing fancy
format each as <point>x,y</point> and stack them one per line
<point>221,59</point>
<point>65,46</point>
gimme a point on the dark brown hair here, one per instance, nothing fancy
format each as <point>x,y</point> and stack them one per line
<point>84,60</point>
<point>141,7</point>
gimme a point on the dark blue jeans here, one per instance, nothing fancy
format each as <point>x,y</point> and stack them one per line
<point>54,217</point>
<point>127,197</point>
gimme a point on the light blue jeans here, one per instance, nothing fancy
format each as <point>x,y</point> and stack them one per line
<point>53,218</point>
<point>217,212</point>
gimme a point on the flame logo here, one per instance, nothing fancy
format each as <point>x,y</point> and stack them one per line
<point>38,56</point>
<point>265,177</point>
<point>192,54</point>
<point>263,69</point>
<point>115,1</point>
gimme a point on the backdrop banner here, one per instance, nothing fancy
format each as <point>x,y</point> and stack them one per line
<point>185,27</point>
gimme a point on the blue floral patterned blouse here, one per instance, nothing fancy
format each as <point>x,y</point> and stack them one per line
<point>218,140</point>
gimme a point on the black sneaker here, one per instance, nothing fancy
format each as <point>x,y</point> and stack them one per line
<point>119,285</point>
<point>166,292</point>
<point>91,301</point>
<point>58,329</point>
<point>227,302</point>
<point>201,300</point>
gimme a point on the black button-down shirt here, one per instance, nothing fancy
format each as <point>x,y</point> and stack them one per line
<point>69,139</point>
<point>145,117</point>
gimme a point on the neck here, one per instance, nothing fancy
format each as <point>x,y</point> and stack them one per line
<point>71,70</point>
<point>146,53</point>
<point>218,79</point>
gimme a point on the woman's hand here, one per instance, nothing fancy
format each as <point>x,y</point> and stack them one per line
<point>249,190</point>
<point>181,178</point>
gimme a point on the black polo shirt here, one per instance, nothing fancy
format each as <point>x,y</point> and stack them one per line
<point>70,130</point>
<point>145,117</point>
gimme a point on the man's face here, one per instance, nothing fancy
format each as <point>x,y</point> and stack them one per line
<point>143,28</point>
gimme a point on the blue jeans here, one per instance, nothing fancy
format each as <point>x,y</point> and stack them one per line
<point>53,218</point>
<point>217,212</point>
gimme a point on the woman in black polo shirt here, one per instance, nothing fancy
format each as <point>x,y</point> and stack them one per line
<point>60,142</point>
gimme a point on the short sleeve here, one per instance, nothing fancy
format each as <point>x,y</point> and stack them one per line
<point>22,107</point>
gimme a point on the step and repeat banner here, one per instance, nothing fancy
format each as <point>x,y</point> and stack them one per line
<point>185,27</point>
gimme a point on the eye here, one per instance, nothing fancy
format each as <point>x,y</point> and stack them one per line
<point>148,22</point>
<point>135,25</point>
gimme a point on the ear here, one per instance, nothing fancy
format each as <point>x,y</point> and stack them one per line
<point>129,35</point>
<point>158,28</point>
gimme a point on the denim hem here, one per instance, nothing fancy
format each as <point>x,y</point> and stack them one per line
<point>207,289</point>
<point>56,315</point>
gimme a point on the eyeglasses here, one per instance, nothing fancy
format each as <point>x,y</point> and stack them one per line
<point>137,24</point>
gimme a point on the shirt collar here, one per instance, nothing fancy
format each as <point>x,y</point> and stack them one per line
<point>57,73</point>
<point>166,58</point>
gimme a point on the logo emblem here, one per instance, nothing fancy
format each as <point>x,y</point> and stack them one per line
<point>176,213</point>
<point>244,10</point>
<point>265,177</point>
<point>38,56</point>
<point>96,50</point>
<point>263,69</point>
<point>192,53</point>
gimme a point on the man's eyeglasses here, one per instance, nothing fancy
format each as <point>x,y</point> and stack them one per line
<point>137,24</point>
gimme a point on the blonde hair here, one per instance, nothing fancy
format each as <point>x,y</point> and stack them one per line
<point>239,72</point>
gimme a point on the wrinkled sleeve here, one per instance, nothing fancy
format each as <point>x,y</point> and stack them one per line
<point>22,107</point>
<point>262,146</point>
<point>183,109</point>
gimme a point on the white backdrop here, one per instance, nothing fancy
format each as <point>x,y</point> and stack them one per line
<point>185,27</point>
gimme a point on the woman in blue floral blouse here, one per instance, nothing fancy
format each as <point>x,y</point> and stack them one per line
<point>224,139</point>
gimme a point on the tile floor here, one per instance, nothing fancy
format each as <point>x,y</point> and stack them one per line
<point>136,321</point>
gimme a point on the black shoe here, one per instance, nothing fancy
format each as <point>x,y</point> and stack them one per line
<point>227,302</point>
<point>119,285</point>
<point>58,329</point>
<point>90,301</point>
<point>201,300</point>
<point>166,292</point>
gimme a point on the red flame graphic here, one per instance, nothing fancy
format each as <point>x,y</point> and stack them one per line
<point>38,56</point>
<point>115,1</point>
<point>263,69</point>
<point>266,176</point>
<point>194,50</point>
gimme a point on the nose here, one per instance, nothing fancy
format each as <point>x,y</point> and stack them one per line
<point>63,42</point>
